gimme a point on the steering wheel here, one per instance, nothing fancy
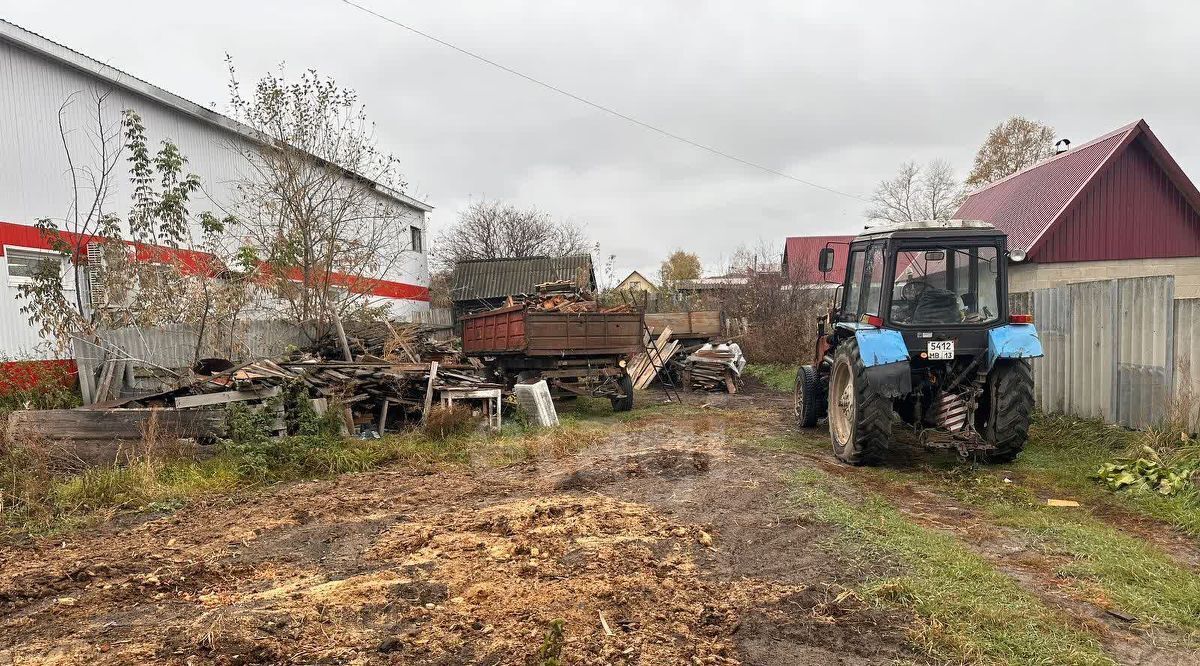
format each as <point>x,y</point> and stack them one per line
<point>913,289</point>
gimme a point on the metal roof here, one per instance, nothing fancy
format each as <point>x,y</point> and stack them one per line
<point>1026,203</point>
<point>479,279</point>
<point>1097,195</point>
<point>800,256</point>
<point>15,34</point>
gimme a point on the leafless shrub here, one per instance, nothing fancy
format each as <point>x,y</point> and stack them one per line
<point>446,422</point>
<point>499,230</point>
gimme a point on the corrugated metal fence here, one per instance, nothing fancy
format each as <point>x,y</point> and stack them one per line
<point>147,359</point>
<point>1117,350</point>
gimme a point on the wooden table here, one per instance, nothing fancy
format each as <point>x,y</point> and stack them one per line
<point>488,397</point>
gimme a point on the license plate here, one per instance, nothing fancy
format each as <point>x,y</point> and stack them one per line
<point>941,350</point>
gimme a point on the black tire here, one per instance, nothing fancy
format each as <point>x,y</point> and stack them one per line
<point>624,404</point>
<point>1010,409</point>
<point>809,402</point>
<point>860,429</point>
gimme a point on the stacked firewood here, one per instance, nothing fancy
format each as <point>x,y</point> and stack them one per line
<point>561,296</point>
<point>714,367</point>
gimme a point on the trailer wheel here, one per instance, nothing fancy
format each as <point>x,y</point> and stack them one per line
<point>1010,409</point>
<point>860,420</point>
<point>624,404</point>
<point>809,400</point>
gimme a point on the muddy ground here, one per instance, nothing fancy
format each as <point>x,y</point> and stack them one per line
<point>671,542</point>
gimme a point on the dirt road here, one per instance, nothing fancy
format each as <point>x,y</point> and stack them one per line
<point>673,541</point>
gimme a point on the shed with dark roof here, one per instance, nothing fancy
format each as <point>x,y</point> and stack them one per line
<point>1117,206</point>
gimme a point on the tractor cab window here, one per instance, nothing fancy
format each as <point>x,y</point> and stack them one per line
<point>853,285</point>
<point>946,285</point>
<point>875,280</point>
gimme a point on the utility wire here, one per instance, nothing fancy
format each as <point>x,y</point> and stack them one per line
<point>596,105</point>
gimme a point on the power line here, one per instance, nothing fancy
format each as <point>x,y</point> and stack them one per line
<point>596,105</point>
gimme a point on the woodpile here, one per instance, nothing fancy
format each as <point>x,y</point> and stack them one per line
<point>714,367</point>
<point>561,296</point>
<point>647,366</point>
<point>386,341</point>
<point>393,378</point>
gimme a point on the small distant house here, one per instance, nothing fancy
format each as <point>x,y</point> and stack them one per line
<point>800,255</point>
<point>1117,206</point>
<point>484,284</point>
<point>636,282</point>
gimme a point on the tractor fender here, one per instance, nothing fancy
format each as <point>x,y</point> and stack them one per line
<point>885,360</point>
<point>1013,341</point>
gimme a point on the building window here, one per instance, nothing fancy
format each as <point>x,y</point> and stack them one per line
<point>418,242</point>
<point>23,265</point>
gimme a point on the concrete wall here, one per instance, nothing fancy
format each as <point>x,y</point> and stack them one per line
<point>1185,270</point>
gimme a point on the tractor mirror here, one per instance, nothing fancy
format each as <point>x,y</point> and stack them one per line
<point>935,255</point>
<point>825,261</point>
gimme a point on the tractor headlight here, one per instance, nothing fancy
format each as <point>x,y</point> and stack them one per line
<point>1016,255</point>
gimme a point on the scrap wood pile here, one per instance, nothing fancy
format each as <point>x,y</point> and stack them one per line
<point>387,341</point>
<point>706,366</point>
<point>389,379</point>
<point>647,365</point>
<point>714,367</point>
<point>561,296</point>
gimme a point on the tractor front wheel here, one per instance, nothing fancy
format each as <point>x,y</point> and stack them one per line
<point>860,419</point>
<point>809,400</point>
<point>1009,409</point>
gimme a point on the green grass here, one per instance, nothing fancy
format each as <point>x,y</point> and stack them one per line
<point>1065,453</point>
<point>776,376</point>
<point>36,501</point>
<point>967,611</point>
<point>1100,562</point>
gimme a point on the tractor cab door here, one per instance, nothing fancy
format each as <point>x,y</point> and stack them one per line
<point>864,286</point>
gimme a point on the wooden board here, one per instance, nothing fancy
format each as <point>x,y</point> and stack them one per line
<point>699,324</point>
<point>206,399</point>
<point>86,424</point>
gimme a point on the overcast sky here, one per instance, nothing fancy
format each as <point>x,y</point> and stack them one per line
<point>838,93</point>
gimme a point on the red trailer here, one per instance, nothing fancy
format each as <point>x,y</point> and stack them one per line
<point>577,353</point>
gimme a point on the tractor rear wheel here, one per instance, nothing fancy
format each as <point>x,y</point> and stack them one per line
<point>860,419</point>
<point>810,397</point>
<point>1009,409</point>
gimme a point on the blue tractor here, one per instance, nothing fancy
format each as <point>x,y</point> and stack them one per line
<point>919,333</point>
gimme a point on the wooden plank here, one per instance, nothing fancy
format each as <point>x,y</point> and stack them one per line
<point>110,424</point>
<point>697,324</point>
<point>206,399</point>
<point>433,365</point>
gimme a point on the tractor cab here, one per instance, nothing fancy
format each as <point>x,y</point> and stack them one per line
<point>920,329</point>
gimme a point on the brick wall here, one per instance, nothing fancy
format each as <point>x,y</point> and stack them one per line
<point>1025,277</point>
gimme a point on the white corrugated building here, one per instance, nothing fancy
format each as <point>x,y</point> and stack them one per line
<point>36,77</point>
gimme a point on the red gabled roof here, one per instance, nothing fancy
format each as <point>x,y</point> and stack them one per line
<point>800,256</point>
<point>1028,204</point>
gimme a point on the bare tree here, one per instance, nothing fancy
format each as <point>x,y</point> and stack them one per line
<point>1011,146</point>
<point>316,208</point>
<point>498,230</point>
<point>917,193</point>
<point>136,276</point>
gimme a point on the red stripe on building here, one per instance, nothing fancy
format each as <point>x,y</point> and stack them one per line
<point>194,262</point>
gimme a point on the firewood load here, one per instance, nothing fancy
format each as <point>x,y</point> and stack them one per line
<point>561,296</point>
